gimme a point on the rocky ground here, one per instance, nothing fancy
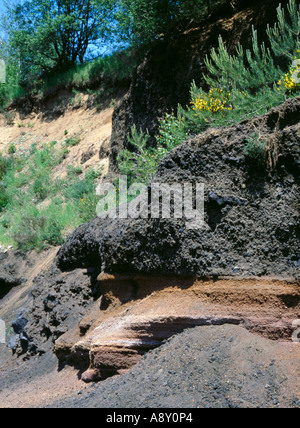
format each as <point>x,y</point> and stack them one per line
<point>216,366</point>
<point>236,281</point>
<point>205,367</point>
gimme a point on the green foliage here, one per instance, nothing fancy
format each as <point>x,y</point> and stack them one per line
<point>255,70</point>
<point>141,164</point>
<point>233,72</point>
<point>141,21</point>
<point>242,86</point>
<point>285,35</point>
<point>35,231</point>
<point>250,80</point>
<point>11,88</point>
<point>4,163</point>
<point>106,73</point>
<point>11,149</point>
<point>135,164</point>
<point>256,148</point>
<point>172,132</point>
<point>4,199</point>
<point>55,34</point>
<point>37,210</point>
<point>73,141</point>
<point>39,189</point>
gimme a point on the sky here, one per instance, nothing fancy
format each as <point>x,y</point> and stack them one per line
<point>92,50</point>
<point>2,3</point>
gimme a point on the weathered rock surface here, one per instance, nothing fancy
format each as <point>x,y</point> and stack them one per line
<point>17,274</point>
<point>12,267</point>
<point>136,314</point>
<point>251,213</point>
<point>204,367</point>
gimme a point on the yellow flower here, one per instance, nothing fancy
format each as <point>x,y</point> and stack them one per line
<point>288,82</point>
<point>215,101</point>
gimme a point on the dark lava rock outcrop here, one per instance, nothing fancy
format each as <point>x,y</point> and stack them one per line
<point>13,266</point>
<point>251,211</point>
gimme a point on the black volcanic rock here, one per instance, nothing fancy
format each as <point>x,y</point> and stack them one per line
<point>251,212</point>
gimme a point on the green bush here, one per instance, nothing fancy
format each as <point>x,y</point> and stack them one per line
<point>3,166</point>
<point>141,164</point>
<point>73,141</point>
<point>35,231</point>
<point>256,148</point>
<point>11,149</point>
<point>4,198</point>
<point>40,189</point>
<point>37,210</point>
<point>241,86</point>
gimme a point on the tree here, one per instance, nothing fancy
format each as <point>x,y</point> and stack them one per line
<point>55,34</point>
<point>256,69</point>
<point>141,21</point>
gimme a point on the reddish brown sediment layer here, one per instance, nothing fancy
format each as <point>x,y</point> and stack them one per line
<point>138,313</point>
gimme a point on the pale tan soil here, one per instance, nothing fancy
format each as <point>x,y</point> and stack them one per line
<point>94,128</point>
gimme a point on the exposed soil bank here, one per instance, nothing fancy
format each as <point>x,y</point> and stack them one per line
<point>136,314</point>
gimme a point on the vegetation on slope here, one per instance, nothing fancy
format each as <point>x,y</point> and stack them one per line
<point>37,209</point>
<point>49,43</point>
<point>241,86</point>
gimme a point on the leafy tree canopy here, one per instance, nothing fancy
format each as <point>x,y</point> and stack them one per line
<point>55,34</point>
<point>141,21</point>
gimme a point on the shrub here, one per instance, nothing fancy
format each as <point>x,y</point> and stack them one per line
<point>3,166</point>
<point>141,164</point>
<point>4,198</point>
<point>172,132</point>
<point>39,189</point>
<point>35,231</point>
<point>73,141</point>
<point>256,148</point>
<point>11,149</point>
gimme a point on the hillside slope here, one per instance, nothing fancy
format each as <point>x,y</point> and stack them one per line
<point>252,232</point>
<point>118,288</point>
<point>163,79</point>
<point>251,211</point>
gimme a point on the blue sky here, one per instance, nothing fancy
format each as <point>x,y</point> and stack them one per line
<point>2,2</point>
<point>95,51</point>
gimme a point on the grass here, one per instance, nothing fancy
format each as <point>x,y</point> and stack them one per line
<point>100,75</point>
<point>36,209</point>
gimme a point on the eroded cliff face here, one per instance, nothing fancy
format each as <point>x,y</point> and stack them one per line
<point>251,212</point>
<point>163,79</point>
<point>157,277</point>
<point>138,313</point>
<point>174,277</point>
